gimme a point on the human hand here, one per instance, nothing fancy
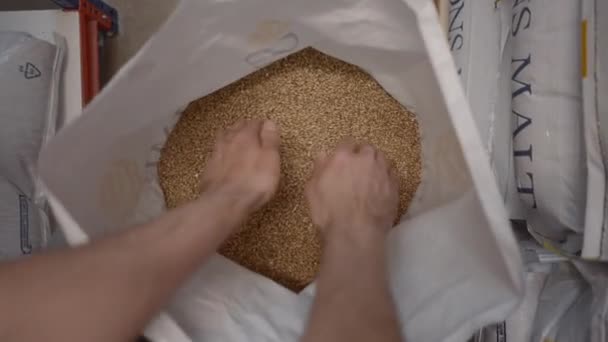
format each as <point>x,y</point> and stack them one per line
<point>353,191</point>
<point>244,168</point>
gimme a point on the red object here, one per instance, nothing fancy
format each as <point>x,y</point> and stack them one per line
<point>91,21</point>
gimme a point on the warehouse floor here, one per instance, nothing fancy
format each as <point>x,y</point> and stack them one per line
<point>139,19</point>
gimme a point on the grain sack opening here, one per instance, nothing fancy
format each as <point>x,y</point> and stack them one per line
<point>317,101</point>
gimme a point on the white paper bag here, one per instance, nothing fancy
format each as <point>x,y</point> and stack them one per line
<point>454,264</point>
<point>547,113</point>
<point>474,35</point>
<point>479,36</point>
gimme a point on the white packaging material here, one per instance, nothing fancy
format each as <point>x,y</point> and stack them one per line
<point>502,128</point>
<point>595,109</point>
<point>539,263</point>
<point>559,305</point>
<point>22,223</point>
<point>474,36</point>
<point>596,274</point>
<point>565,301</point>
<point>570,304</point>
<point>547,116</point>
<point>479,38</point>
<point>29,81</point>
<point>476,30</point>
<point>563,312</point>
<point>518,327</point>
<point>28,93</point>
<point>454,252</point>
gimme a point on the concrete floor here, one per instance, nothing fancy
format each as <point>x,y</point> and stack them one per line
<point>139,19</point>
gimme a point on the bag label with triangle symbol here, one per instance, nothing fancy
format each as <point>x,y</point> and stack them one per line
<point>30,71</point>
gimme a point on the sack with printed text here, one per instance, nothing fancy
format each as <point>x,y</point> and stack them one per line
<point>479,35</point>
<point>548,148</point>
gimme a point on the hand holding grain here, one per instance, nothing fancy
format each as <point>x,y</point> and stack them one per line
<point>353,192</point>
<point>245,165</point>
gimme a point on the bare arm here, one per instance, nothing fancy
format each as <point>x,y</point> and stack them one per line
<point>353,199</point>
<point>109,289</point>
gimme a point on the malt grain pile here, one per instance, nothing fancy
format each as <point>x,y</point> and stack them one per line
<point>317,101</point>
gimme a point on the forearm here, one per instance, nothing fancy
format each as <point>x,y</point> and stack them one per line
<point>353,301</point>
<point>110,288</point>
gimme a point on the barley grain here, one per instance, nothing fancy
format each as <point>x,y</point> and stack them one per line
<point>317,101</point>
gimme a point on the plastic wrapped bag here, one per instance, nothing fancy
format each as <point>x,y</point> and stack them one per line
<point>596,275</point>
<point>30,71</point>
<point>565,301</point>
<point>539,264</point>
<point>454,251</point>
<point>563,307</point>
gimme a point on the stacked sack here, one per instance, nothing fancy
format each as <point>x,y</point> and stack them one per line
<point>534,73</point>
<point>546,113</point>
<point>594,70</point>
<point>30,71</point>
<point>563,301</point>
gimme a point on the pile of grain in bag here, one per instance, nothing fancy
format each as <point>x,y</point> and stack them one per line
<point>317,101</point>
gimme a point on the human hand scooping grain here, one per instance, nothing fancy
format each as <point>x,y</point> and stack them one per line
<point>353,191</point>
<point>245,164</point>
<point>353,198</point>
<point>125,279</point>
